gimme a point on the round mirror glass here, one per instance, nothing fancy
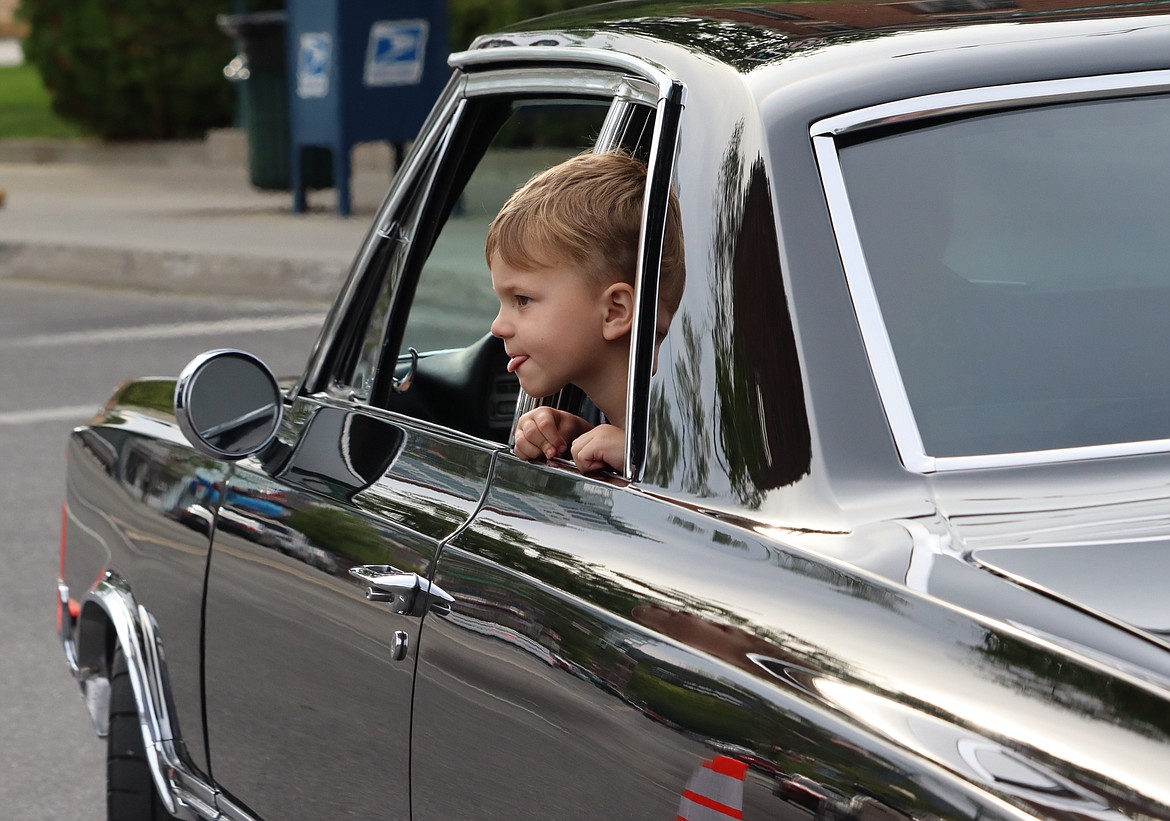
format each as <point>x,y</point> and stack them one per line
<point>228,404</point>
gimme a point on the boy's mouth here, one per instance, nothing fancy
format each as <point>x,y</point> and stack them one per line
<point>516,361</point>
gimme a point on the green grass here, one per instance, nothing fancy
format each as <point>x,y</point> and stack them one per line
<point>25,111</point>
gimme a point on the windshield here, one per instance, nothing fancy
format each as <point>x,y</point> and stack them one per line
<point>1021,262</point>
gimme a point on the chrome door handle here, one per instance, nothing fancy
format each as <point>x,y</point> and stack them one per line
<point>408,594</point>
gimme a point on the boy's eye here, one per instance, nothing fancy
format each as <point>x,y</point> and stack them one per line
<point>521,301</point>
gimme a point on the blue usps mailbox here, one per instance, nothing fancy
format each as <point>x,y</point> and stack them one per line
<point>361,71</point>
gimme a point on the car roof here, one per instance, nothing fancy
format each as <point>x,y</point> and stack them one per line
<point>868,51</point>
<point>733,31</point>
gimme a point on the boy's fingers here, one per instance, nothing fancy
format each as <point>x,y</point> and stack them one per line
<point>537,435</point>
<point>602,447</point>
<point>583,458</point>
<point>529,441</point>
<point>524,448</point>
<point>549,436</point>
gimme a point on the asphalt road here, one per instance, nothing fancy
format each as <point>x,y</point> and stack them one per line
<point>62,351</point>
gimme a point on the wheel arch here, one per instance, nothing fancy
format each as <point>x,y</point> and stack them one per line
<point>110,618</point>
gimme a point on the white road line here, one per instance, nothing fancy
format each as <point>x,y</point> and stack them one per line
<point>171,331</point>
<point>70,413</point>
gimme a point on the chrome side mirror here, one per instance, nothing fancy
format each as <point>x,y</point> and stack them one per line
<point>228,404</point>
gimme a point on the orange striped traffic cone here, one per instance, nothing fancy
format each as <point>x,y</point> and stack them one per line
<point>714,791</point>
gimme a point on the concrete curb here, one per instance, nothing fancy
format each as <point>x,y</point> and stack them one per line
<point>84,150</point>
<point>172,272</point>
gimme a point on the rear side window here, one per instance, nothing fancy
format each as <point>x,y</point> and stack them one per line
<point>1021,265</point>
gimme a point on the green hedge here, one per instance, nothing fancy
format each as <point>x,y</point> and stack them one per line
<point>133,69</point>
<point>152,69</point>
<point>468,19</point>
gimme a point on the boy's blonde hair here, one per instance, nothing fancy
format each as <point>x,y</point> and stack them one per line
<point>587,212</point>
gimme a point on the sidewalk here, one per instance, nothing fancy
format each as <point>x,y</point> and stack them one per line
<point>176,217</point>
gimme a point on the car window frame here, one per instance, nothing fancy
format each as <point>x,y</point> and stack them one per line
<point>623,80</point>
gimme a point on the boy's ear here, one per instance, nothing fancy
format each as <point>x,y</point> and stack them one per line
<point>617,304</point>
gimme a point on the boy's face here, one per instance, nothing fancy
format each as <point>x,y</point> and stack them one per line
<point>551,320</point>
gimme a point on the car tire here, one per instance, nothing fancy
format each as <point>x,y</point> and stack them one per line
<point>130,790</point>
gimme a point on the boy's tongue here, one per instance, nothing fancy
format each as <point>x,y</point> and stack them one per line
<point>515,362</point>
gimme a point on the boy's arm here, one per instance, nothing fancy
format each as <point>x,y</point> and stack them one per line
<point>603,446</point>
<point>546,432</point>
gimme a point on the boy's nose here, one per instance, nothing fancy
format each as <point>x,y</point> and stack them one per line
<point>501,328</point>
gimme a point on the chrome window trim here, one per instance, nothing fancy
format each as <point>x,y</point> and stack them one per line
<point>476,59</point>
<point>413,164</point>
<point>612,128</point>
<point>660,174</point>
<point>973,100</point>
<point>606,83</point>
<point>879,350</point>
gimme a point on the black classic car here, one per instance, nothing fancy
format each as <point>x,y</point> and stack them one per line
<point>892,538</point>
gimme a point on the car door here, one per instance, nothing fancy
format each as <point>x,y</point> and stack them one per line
<point>550,685</point>
<point>322,552</point>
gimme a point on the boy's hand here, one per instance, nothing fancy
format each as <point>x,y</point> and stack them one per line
<point>603,446</point>
<point>546,433</point>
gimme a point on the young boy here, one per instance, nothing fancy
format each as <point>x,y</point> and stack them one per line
<point>563,252</point>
